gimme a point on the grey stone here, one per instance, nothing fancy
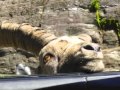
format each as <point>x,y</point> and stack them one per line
<point>112,59</point>
<point>110,39</point>
<point>113,12</point>
<point>89,29</point>
<point>110,3</point>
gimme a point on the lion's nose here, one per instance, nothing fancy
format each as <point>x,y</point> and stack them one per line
<point>92,47</point>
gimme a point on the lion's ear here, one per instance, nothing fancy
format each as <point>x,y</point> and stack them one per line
<point>85,37</point>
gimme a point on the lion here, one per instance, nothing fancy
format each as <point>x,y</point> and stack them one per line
<point>64,54</point>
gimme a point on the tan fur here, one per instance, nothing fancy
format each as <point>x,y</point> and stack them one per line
<point>56,54</point>
<point>71,56</point>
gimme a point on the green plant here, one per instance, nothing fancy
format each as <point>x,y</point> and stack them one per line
<point>94,5</point>
<point>118,29</point>
<point>107,24</point>
<point>98,18</point>
<point>102,22</point>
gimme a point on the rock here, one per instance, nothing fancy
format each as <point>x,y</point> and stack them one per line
<point>4,51</point>
<point>9,61</point>
<point>112,59</point>
<point>33,63</point>
<point>89,29</point>
<point>25,53</point>
<point>109,3</point>
<point>46,13</point>
<point>110,39</point>
<point>60,20</point>
<point>33,60</point>
<point>114,55</point>
<point>78,28</point>
<point>113,12</point>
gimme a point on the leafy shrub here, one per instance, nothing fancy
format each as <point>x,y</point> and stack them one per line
<point>102,22</point>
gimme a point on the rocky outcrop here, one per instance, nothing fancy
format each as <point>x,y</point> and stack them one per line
<point>110,39</point>
<point>90,29</point>
<point>10,57</point>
